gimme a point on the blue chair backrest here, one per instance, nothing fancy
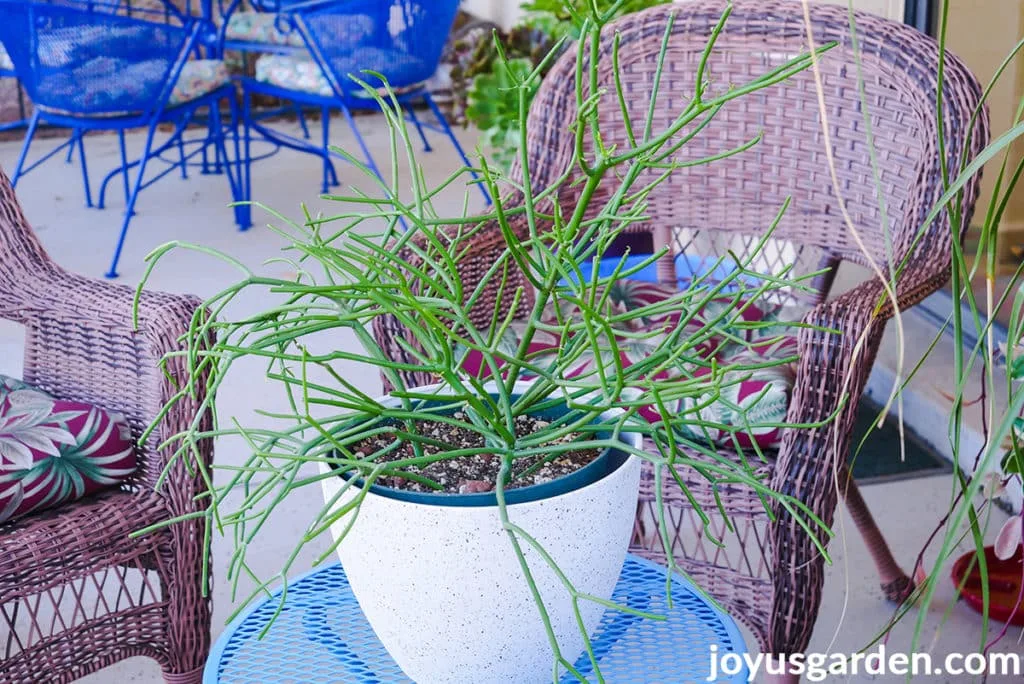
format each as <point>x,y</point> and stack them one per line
<point>91,58</point>
<point>400,39</point>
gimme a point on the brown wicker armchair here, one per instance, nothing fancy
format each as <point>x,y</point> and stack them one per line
<point>769,574</point>
<point>76,593</point>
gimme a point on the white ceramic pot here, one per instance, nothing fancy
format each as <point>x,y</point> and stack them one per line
<point>443,589</point>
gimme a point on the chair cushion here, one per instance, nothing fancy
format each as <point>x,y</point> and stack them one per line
<point>756,398</point>
<point>273,30</point>
<point>301,73</point>
<point>294,72</point>
<point>54,451</point>
<point>198,77</point>
<point>261,27</point>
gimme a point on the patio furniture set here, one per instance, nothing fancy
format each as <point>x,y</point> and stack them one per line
<point>114,65</point>
<point>77,593</point>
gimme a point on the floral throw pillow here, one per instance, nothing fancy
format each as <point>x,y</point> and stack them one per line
<point>54,451</point>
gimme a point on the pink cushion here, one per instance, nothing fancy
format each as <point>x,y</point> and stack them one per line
<point>54,451</point>
<point>756,398</point>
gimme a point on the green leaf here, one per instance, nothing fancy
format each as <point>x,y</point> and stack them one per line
<point>1017,367</point>
<point>1013,461</point>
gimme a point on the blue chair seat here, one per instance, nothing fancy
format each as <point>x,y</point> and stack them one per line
<point>198,77</point>
<point>302,73</point>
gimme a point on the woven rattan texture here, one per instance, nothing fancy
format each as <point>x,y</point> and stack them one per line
<point>76,592</point>
<point>321,636</point>
<point>770,575</point>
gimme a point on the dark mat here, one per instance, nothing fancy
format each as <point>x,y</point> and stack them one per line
<point>879,459</point>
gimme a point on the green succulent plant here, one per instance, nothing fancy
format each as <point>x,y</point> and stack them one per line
<point>485,95</point>
<point>494,106</point>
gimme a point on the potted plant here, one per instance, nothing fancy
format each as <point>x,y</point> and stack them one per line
<point>453,571</point>
<point>492,507</point>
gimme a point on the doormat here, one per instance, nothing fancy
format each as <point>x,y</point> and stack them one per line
<point>879,459</point>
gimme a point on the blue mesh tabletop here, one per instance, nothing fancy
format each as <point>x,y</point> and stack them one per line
<point>321,636</point>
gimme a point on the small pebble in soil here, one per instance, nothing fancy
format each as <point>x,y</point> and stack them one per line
<point>475,473</point>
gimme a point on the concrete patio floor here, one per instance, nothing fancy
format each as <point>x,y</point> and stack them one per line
<point>81,239</point>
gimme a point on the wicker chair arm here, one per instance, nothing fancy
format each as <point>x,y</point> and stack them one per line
<point>836,352</point>
<point>834,360</point>
<point>82,343</point>
<point>105,304</point>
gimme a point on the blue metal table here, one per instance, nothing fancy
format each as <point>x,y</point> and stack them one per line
<point>321,636</point>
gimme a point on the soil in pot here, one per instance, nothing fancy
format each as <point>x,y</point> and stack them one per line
<point>477,473</point>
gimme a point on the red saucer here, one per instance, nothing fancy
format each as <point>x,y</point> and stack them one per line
<point>1004,581</point>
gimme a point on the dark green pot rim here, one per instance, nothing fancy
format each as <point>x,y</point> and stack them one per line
<point>605,464</point>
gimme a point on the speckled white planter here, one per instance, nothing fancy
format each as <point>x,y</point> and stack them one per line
<point>444,592</point>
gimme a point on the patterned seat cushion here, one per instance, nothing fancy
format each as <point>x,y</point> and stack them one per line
<point>756,399</point>
<point>54,451</point>
<point>301,73</point>
<point>294,72</point>
<point>276,30</point>
<point>198,77</point>
<point>261,27</point>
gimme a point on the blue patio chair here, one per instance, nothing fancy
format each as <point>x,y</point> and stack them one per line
<point>401,40</point>
<point>95,65</point>
<point>7,71</point>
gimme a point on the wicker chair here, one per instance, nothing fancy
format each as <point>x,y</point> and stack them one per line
<point>770,575</point>
<point>76,593</point>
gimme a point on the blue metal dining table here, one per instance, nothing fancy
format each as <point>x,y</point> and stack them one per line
<point>322,637</point>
